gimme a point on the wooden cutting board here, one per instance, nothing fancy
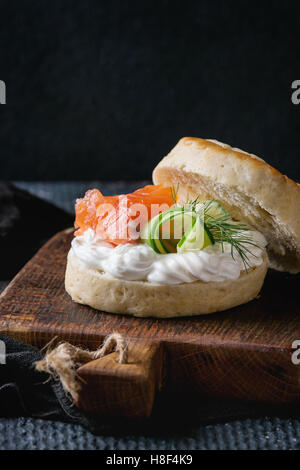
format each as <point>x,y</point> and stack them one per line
<point>243,353</point>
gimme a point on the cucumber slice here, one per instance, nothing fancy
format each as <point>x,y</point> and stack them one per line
<point>214,209</point>
<point>164,231</point>
<point>150,234</point>
<point>169,230</point>
<point>155,239</point>
<point>179,230</point>
<point>196,238</point>
<point>147,231</point>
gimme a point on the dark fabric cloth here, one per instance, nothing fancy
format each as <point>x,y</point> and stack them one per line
<point>23,391</point>
<point>26,222</point>
<point>26,392</point>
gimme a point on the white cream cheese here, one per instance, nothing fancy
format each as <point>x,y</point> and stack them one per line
<point>140,263</point>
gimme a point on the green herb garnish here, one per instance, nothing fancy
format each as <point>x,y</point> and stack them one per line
<point>209,216</point>
<point>224,230</point>
<point>174,193</point>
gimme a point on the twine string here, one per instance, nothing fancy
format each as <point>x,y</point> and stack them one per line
<point>63,361</point>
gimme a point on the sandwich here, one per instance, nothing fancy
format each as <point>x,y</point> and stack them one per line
<point>198,241</point>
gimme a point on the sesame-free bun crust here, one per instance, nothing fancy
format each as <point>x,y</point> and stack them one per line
<point>250,189</point>
<point>102,291</point>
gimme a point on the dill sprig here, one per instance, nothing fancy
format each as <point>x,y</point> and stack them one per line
<point>224,230</point>
<point>174,194</point>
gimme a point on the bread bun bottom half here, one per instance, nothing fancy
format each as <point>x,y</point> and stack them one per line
<point>102,291</point>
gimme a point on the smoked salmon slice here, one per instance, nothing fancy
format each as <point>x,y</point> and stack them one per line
<point>119,219</point>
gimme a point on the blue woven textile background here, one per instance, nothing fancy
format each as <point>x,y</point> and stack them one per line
<point>252,434</point>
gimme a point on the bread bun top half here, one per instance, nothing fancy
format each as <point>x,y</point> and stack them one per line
<point>250,189</point>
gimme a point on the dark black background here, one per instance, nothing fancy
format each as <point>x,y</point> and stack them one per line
<point>104,89</point>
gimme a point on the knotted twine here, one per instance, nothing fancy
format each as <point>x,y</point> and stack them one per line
<point>63,361</point>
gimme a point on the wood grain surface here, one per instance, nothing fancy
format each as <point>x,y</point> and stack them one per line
<point>244,352</point>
